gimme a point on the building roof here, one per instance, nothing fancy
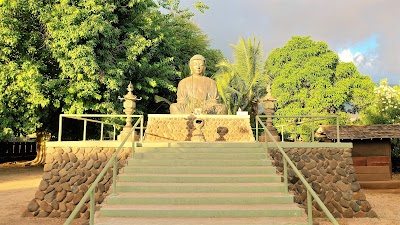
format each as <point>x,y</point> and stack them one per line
<point>360,131</point>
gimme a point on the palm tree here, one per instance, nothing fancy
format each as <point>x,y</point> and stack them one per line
<point>245,81</point>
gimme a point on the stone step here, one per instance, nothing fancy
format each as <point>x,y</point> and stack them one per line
<point>218,155</point>
<point>200,187</point>
<point>190,144</point>
<point>199,150</point>
<point>199,178</point>
<point>200,169</point>
<point>202,221</point>
<point>198,162</point>
<point>200,198</point>
<point>194,211</point>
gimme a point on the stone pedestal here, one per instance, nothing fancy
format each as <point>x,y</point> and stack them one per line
<point>168,127</point>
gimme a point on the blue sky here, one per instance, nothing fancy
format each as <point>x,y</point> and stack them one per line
<point>366,32</point>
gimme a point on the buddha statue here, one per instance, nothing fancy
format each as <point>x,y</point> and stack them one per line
<point>197,93</point>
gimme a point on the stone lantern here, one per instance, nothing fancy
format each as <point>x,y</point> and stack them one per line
<point>129,108</point>
<point>269,106</point>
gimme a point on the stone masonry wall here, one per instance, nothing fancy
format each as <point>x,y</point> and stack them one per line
<point>330,172</point>
<point>68,174</point>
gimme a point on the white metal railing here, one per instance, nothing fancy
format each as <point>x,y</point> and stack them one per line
<point>90,193</point>
<point>286,160</point>
<point>312,120</point>
<point>85,119</point>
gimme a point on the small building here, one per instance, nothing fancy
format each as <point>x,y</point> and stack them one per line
<point>371,150</point>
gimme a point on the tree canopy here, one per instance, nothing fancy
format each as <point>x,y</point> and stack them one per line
<point>244,81</point>
<point>309,79</point>
<point>79,56</point>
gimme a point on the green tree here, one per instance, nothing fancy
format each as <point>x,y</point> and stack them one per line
<point>22,63</point>
<point>78,56</point>
<point>243,82</point>
<point>309,79</point>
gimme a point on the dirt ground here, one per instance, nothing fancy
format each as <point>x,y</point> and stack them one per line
<point>18,185</point>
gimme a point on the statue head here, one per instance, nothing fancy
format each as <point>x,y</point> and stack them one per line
<point>197,65</point>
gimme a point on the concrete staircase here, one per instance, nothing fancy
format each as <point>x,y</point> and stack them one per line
<point>199,183</point>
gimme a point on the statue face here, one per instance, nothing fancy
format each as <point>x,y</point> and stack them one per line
<point>197,66</point>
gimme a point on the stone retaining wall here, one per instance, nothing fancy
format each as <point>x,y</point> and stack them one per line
<point>68,174</point>
<point>331,174</point>
<point>168,127</point>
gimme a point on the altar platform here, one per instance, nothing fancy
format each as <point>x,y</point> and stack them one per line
<point>174,127</point>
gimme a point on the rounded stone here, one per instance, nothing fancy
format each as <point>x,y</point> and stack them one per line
<point>45,207</point>
<point>39,195</point>
<point>65,157</point>
<point>42,213</point>
<point>97,164</point>
<point>57,186</point>
<point>354,206</point>
<point>65,214</point>
<point>338,196</point>
<point>317,187</point>
<point>54,214</point>
<point>47,167</point>
<point>344,203</point>
<point>66,187</point>
<point>43,185</point>
<point>347,195</point>
<point>338,157</point>
<point>360,214</point>
<point>89,164</point>
<point>62,207</point>
<point>311,165</point>
<point>365,206</point>
<point>329,196</point>
<point>372,214</point>
<point>336,178</point>
<point>102,157</point>
<point>55,205</point>
<point>300,165</point>
<point>50,196</point>
<point>33,205</point>
<point>341,172</point>
<point>69,197</point>
<point>355,186</point>
<point>359,196</point>
<point>78,196</point>
<point>61,196</point>
<point>348,213</point>
<point>72,157</point>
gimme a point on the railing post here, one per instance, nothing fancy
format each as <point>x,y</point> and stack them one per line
<point>283,137</point>
<point>101,131</point>
<point>114,182</point>
<point>84,129</point>
<point>115,131</point>
<point>309,208</point>
<point>60,128</point>
<point>285,174</point>
<point>141,128</point>
<point>312,131</point>
<point>92,206</point>
<point>337,130</point>
<point>256,127</point>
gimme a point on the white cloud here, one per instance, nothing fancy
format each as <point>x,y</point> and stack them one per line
<point>341,24</point>
<point>346,56</point>
<point>360,60</point>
